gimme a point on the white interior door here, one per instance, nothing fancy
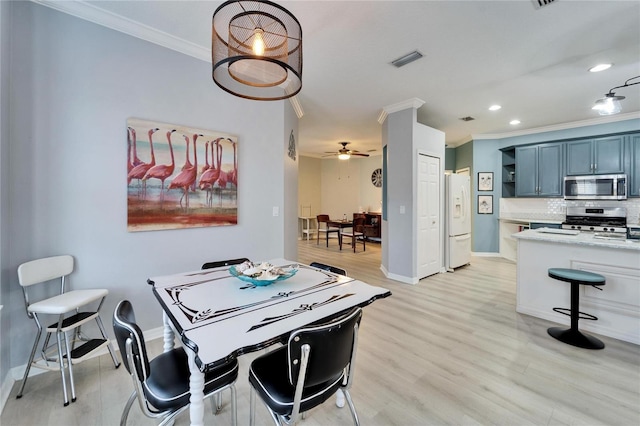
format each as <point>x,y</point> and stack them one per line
<point>429,221</point>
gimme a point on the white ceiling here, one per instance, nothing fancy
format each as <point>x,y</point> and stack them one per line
<point>531,61</point>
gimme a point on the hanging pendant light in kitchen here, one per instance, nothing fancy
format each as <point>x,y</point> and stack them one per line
<point>256,50</point>
<point>610,104</point>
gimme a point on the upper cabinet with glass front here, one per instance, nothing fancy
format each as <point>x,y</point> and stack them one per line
<point>595,156</point>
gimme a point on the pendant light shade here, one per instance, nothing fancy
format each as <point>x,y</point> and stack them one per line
<point>256,50</point>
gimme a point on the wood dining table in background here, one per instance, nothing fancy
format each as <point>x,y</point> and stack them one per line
<point>219,317</point>
<point>340,224</point>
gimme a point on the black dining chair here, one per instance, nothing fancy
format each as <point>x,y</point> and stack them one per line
<point>219,263</point>
<point>317,361</point>
<point>329,268</point>
<point>161,385</point>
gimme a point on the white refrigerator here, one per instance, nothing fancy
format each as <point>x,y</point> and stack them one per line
<point>458,219</point>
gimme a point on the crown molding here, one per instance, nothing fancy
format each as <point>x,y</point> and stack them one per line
<point>414,103</point>
<point>562,126</point>
<point>89,12</point>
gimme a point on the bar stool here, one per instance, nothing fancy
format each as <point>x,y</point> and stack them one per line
<point>573,336</point>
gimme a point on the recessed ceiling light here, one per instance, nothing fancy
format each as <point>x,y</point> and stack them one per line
<point>494,107</point>
<point>600,67</point>
<point>514,122</point>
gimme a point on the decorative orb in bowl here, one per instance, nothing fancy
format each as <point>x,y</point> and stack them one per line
<point>261,275</point>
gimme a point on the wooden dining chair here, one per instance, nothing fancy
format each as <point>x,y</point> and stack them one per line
<point>161,385</point>
<point>356,233</point>
<point>323,226</point>
<point>318,360</point>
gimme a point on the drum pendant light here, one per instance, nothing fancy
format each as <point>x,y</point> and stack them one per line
<point>256,50</point>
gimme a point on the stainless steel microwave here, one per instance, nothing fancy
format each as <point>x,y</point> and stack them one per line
<point>595,187</point>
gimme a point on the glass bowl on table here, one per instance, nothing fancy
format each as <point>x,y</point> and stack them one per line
<point>261,274</point>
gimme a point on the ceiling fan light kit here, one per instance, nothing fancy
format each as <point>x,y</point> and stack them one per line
<point>256,50</point>
<point>344,153</point>
<point>610,104</point>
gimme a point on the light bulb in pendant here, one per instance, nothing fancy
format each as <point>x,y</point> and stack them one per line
<point>258,42</point>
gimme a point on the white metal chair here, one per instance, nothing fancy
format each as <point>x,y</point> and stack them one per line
<point>50,271</point>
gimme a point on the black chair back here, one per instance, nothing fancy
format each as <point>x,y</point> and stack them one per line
<point>331,345</point>
<point>211,265</point>
<point>125,328</point>
<point>329,268</point>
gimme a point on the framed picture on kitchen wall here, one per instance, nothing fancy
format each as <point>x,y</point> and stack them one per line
<point>485,204</point>
<point>485,181</point>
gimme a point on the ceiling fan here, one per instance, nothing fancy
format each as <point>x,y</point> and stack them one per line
<point>344,153</point>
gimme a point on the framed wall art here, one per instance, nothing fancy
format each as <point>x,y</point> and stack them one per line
<point>485,181</point>
<point>180,177</point>
<point>485,204</point>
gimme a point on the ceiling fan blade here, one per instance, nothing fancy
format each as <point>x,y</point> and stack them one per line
<point>330,155</point>
<point>359,154</point>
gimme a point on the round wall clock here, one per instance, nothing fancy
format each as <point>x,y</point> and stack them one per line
<point>376,178</point>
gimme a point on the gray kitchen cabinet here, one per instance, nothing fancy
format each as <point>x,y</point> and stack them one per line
<point>633,183</point>
<point>595,156</point>
<point>539,170</point>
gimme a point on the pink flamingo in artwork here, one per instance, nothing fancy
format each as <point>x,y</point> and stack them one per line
<point>141,169</point>
<point>129,165</point>
<point>136,160</point>
<point>206,156</point>
<point>187,177</point>
<point>162,171</point>
<point>233,174</point>
<point>210,176</point>
<point>223,177</point>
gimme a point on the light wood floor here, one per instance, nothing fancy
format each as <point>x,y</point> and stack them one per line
<point>449,350</point>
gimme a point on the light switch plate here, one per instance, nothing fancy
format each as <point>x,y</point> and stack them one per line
<point>276,211</point>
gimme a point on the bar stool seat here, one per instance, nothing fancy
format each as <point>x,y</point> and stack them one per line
<point>573,336</point>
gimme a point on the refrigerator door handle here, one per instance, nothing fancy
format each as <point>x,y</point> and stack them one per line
<point>464,202</point>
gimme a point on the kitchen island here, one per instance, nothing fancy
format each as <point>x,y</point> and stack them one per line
<point>617,306</point>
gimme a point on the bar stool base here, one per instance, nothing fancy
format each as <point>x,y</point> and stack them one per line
<point>575,338</point>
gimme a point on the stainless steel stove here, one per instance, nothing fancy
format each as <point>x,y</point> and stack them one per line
<point>597,219</point>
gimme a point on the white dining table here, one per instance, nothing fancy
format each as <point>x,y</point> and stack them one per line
<point>219,317</point>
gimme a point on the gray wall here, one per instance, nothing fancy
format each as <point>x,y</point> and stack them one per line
<point>405,138</point>
<point>5,26</point>
<point>73,85</point>
<point>398,242</point>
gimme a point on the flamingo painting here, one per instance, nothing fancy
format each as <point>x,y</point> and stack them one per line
<point>168,188</point>
<point>141,169</point>
<point>162,171</point>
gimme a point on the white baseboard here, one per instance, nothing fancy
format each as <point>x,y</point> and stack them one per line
<point>485,254</point>
<point>16,373</point>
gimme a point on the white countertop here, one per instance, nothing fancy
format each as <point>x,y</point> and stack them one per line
<point>583,238</point>
<point>528,220</point>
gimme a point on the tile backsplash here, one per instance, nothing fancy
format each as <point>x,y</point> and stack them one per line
<point>556,208</point>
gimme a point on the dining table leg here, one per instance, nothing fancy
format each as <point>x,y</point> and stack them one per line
<point>168,335</point>
<point>196,388</point>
